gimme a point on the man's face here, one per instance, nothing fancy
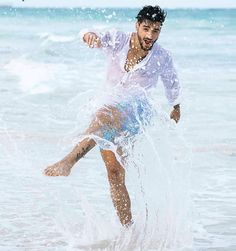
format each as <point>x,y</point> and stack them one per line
<point>148,33</point>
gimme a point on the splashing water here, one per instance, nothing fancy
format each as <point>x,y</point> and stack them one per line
<point>47,98</point>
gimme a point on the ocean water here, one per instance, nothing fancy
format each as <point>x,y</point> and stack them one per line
<point>181,178</point>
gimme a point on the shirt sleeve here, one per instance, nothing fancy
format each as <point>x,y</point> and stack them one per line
<point>171,82</point>
<point>111,40</point>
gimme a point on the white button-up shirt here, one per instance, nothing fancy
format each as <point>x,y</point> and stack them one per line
<point>144,75</point>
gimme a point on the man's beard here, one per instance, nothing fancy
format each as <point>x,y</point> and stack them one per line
<point>141,45</point>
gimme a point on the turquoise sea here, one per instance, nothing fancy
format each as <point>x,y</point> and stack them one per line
<point>182,179</point>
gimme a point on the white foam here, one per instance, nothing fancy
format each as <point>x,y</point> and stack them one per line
<point>57,38</point>
<point>32,76</point>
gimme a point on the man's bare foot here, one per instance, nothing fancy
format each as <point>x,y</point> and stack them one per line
<point>61,168</point>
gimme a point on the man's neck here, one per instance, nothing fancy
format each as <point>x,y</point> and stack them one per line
<point>135,45</point>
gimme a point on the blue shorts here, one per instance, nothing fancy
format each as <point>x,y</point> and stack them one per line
<point>135,115</point>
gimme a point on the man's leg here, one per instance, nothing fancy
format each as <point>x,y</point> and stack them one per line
<point>63,167</point>
<point>107,116</point>
<point>119,193</point>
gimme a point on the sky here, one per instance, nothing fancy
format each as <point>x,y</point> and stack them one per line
<point>122,3</point>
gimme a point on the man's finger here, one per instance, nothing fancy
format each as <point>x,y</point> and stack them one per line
<point>90,40</point>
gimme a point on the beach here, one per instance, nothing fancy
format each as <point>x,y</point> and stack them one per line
<point>185,178</point>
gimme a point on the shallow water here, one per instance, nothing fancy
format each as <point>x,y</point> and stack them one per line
<point>184,177</point>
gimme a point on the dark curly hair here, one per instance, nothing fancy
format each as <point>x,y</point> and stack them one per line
<point>151,13</point>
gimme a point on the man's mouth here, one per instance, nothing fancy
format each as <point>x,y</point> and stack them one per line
<point>148,42</point>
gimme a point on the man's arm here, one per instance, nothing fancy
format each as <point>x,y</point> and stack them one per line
<point>109,41</point>
<point>172,87</point>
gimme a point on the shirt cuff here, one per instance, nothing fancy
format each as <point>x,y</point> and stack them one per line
<point>176,102</point>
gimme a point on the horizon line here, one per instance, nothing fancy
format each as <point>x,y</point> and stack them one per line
<point>109,7</point>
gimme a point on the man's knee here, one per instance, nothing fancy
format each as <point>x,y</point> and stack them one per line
<point>109,116</point>
<point>103,116</point>
<point>116,173</point>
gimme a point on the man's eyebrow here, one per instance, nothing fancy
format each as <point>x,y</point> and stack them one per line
<point>148,26</point>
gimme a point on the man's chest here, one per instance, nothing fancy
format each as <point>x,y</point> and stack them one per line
<point>133,58</point>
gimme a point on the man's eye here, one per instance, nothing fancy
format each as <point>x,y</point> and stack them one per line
<point>145,29</point>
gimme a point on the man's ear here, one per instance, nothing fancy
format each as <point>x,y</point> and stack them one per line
<point>137,25</point>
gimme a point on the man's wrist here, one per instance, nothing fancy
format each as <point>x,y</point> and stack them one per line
<point>177,107</point>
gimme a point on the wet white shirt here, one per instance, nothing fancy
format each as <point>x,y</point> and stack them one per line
<point>145,74</point>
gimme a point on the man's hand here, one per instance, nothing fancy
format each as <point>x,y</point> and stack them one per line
<point>92,40</point>
<point>175,114</point>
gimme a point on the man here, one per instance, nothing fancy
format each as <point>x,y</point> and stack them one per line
<point>135,63</point>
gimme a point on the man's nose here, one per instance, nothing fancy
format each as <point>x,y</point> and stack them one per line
<point>149,35</point>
